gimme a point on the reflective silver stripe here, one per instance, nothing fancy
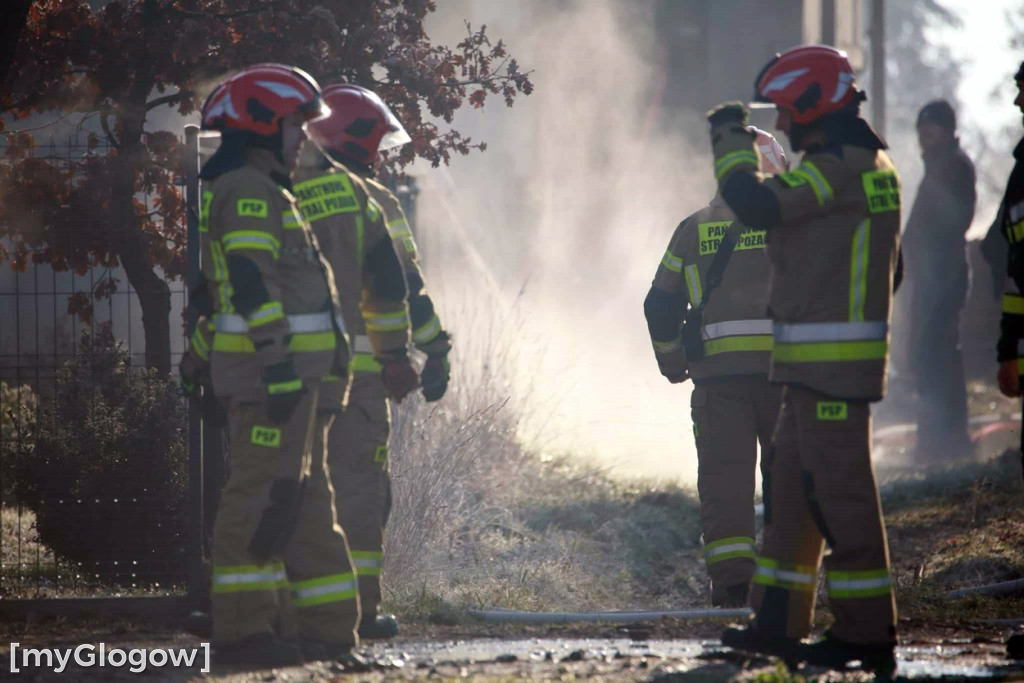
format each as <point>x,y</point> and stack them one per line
<point>261,577</point>
<point>362,344</point>
<point>730,548</point>
<point>427,332</point>
<point>785,575</point>
<point>858,584</point>
<point>669,346</point>
<point>299,323</point>
<point>732,328</point>
<point>340,322</point>
<point>829,332</point>
<point>367,563</point>
<point>324,590</point>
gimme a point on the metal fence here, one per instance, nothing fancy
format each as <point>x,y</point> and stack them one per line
<point>80,507</point>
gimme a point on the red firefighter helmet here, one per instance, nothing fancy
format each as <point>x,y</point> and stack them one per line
<point>809,81</point>
<point>360,124</point>
<point>258,97</point>
<point>773,157</point>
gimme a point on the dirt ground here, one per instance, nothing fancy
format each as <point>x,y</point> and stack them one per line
<point>661,651</point>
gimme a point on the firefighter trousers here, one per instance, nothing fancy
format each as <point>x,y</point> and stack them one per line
<point>730,416</point>
<point>819,487</point>
<point>280,562</point>
<point>357,455</point>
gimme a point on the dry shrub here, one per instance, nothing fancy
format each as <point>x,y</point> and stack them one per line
<point>483,517</point>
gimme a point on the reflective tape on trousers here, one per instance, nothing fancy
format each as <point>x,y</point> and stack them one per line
<point>733,328</point>
<point>298,324</point>
<point>798,333</point>
<point>361,344</point>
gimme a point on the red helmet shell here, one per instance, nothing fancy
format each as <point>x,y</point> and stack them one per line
<point>257,98</point>
<point>809,81</point>
<point>360,124</point>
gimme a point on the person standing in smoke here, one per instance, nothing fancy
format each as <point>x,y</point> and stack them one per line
<point>1011,212</point>
<point>937,272</point>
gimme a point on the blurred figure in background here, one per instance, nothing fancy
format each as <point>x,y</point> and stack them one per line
<point>937,272</point>
<point>733,406</point>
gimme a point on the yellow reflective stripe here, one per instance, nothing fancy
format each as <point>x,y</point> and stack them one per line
<point>199,344</point>
<point>365,362</point>
<point>693,285</point>
<point>789,576</point>
<point>239,578</point>
<point>859,270</point>
<point>1013,303</point>
<point>220,265</point>
<point>817,352</point>
<point>308,342</point>
<point>383,322</point>
<point>324,589</point>
<point>729,549</point>
<point>671,262</point>
<point>267,313</point>
<point>750,342</point>
<point>204,211</point>
<point>360,240</point>
<point>285,387</point>
<point>367,562</point>
<point>251,239</point>
<point>809,172</point>
<point>863,584</point>
<point>395,222</point>
<point>733,159</point>
<point>1020,366</point>
<point>668,346</point>
<point>427,332</point>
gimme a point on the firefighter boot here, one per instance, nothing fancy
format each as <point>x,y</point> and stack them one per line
<point>381,627</point>
<point>833,653</point>
<point>756,640</point>
<point>260,650</point>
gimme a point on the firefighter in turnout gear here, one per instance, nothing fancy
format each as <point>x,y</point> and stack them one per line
<point>1011,212</point>
<point>832,227</point>
<point>359,127</point>
<point>281,569</point>
<point>732,405</point>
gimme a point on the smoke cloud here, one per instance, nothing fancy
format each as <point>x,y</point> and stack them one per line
<point>561,223</point>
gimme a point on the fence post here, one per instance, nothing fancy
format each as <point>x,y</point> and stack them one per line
<point>196,572</point>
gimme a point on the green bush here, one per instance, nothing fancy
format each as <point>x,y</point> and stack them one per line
<point>17,423</point>
<point>108,476</point>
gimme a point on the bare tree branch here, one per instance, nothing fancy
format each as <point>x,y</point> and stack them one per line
<point>106,129</point>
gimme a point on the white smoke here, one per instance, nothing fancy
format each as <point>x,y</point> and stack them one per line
<point>565,218</point>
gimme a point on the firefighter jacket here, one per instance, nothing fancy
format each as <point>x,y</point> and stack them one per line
<point>1011,213</point>
<point>427,333</point>
<point>273,293</point>
<point>736,331</point>
<point>833,239</point>
<point>350,229</point>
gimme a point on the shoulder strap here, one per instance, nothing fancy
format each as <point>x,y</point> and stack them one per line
<point>717,267</point>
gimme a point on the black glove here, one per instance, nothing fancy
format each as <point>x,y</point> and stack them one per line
<point>727,112</point>
<point>399,378</point>
<point>284,390</point>
<point>437,372</point>
<point>192,373</point>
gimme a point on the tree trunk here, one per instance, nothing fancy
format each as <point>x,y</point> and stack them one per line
<point>154,297</point>
<point>133,251</point>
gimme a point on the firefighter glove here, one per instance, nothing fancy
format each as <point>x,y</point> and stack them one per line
<point>673,367</point>
<point>1009,378</point>
<point>192,372</point>
<point>728,112</point>
<point>437,372</point>
<point>399,378</point>
<point>284,390</point>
